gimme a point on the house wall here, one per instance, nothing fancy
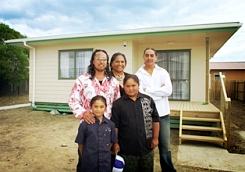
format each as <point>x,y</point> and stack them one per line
<point>230,74</point>
<point>48,87</point>
<point>51,89</point>
<point>197,71</point>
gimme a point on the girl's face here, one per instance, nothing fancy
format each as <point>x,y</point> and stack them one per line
<point>118,64</point>
<point>131,88</point>
<point>98,108</point>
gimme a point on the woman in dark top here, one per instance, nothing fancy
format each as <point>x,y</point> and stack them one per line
<point>118,63</point>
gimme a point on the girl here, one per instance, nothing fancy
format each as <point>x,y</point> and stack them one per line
<point>95,140</point>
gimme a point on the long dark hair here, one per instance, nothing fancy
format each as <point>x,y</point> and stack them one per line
<point>91,68</point>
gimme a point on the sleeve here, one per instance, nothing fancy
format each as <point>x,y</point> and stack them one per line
<point>164,91</point>
<point>155,115</point>
<point>75,100</point>
<point>141,85</point>
<point>113,133</point>
<point>81,134</point>
<point>115,114</point>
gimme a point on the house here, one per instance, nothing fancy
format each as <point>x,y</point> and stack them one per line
<point>231,70</point>
<point>55,61</point>
<point>235,79</point>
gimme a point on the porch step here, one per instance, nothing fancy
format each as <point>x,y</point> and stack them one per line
<point>202,138</point>
<point>203,126</point>
<point>201,119</point>
<point>200,128</point>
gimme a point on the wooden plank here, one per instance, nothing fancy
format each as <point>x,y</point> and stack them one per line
<point>175,113</point>
<point>202,138</point>
<point>200,128</point>
<point>223,126</point>
<point>180,127</point>
<point>201,119</point>
<point>201,114</point>
<point>192,106</point>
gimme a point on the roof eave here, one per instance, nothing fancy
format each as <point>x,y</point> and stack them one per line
<point>172,29</point>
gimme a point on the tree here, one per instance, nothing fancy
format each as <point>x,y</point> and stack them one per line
<point>13,59</point>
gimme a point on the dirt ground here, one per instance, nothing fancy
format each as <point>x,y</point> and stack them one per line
<point>238,119</point>
<point>237,127</point>
<point>38,141</point>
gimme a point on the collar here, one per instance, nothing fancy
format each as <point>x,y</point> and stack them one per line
<point>140,95</point>
<point>104,120</point>
<point>155,68</point>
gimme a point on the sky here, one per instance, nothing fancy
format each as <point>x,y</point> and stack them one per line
<point>35,18</point>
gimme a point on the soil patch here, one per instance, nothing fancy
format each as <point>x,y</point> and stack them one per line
<point>38,141</point>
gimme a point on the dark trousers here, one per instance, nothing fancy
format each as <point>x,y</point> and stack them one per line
<point>79,164</point>
<point>142,163</point>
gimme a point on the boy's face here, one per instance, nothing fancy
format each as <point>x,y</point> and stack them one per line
<point>131,88</point>
<point>98,108</point>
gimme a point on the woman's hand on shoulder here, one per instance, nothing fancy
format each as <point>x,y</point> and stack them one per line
<point>88,117</point>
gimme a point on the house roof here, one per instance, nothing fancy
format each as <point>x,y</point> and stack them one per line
<point>227,65</point>
<point>214,34</point>
<point>230,26</point>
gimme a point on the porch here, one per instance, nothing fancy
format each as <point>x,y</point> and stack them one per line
<point>177,106</point>
<point>191,107</point>
<point>198,121</point>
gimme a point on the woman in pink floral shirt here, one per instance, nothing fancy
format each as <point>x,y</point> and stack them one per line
<point>97,81</point>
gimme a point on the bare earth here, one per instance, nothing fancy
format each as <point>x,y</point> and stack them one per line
<point>38,141</point>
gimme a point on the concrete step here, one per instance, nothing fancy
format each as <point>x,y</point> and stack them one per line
<point>200,128</point>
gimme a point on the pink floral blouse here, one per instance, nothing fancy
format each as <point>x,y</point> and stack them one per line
<point>85,89</point>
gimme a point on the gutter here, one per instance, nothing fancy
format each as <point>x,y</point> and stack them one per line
<point>34,73</point>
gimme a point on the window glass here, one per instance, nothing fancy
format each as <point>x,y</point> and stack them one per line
<point>177,63</point>
<point>67,62</point>
<point>73,63</point>
<point>82,61</point>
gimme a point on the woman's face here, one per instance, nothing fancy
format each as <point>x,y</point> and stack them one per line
<point>100,61</point>
<point>118,64</point>
<point>131,88</point>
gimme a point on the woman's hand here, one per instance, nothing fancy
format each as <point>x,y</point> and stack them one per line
<point>88,117</point>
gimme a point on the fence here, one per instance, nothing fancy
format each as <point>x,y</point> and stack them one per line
<point>14,89</point>
<point>234,89</point>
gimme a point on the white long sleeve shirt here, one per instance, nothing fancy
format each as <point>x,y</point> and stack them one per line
<point>157,85</point>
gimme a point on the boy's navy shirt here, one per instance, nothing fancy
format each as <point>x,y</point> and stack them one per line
<point>97,140</point>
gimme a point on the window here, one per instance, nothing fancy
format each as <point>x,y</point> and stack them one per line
<point>73,63</point>
<point>177,63</point>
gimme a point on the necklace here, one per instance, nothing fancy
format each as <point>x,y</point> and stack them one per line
<point>119,77</point>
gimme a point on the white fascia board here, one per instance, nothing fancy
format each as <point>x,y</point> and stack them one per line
<point>131,31</point>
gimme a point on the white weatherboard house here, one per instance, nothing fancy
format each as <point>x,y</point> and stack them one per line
<point>185,51</point>
<point>55,61</point>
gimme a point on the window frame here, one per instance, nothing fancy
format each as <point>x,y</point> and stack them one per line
<point>189,73</point>
<point>75,51</point>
